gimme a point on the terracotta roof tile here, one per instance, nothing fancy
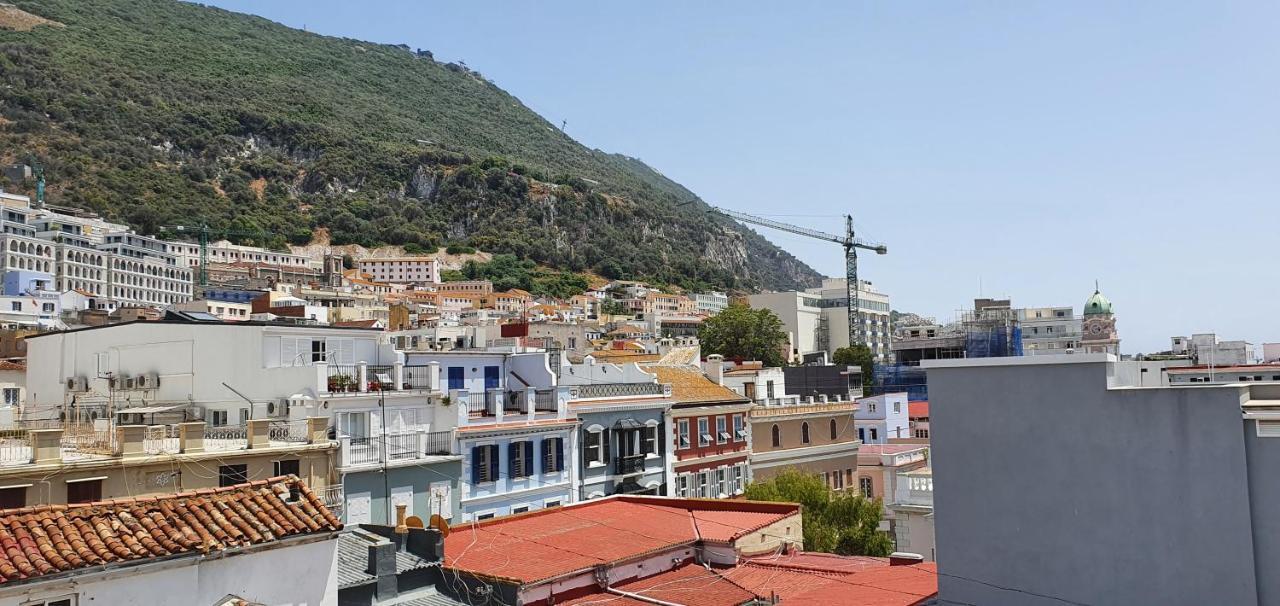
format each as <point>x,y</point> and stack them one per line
<point>691,585</point>
<point>918,409</point>
<point>48,539</point>
<point>813,578</point>
<point>690,386</point>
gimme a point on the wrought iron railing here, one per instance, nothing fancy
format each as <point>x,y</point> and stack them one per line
<point>334,498</point>
<point>478,407</point>
<point>381,378</point>
<point>610,390</point>
<point>513,402</point>
<point>544,400</point>
<point>439,443</point>
<point>416,377</point>
<point>628,464</point>
<point>288,431</point>
<point>226,437</point>
<point>343,377</point>
<point>161,439</point>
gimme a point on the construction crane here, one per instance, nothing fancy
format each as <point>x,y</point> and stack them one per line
<point>851,244</point>
<point>202,233</point>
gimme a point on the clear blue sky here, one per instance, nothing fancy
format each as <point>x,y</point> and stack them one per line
<point>1030,147</point>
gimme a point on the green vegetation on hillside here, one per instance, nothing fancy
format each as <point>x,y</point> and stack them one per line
<point>160,112</point>
<point>507,272</point>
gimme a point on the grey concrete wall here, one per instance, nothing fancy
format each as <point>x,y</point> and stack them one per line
<point>1047,483</point>
<point>1264,499</point>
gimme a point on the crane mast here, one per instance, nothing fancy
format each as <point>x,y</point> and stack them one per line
<point>851,244</point>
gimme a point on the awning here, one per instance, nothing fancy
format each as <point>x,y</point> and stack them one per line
<point>146,410</point>
<point>627,423</point>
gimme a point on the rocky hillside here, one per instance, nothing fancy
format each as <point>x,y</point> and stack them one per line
<point>160,112</point>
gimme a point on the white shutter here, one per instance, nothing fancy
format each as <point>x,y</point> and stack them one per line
<point>289,352</point>
<point>271,352</point>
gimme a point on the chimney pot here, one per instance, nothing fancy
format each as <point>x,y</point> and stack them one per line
<point>401,527</point>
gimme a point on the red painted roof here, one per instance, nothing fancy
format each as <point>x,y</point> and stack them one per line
<point>691,585</point>
<point>918,410</point>
<point>812,578</point>
<point>49,539</point>
<point>878,449</point>
<point>562,540</point>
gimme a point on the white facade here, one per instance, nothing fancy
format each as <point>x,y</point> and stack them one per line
<point>188,254</point>
<point>1049,330</point>
<point>1205,348</point>
<point>291,571</point>
<point>817,320</point>
<point>711,302</point>
<point>883,417</point>
<point>912,506</point>
<point>401,270</point>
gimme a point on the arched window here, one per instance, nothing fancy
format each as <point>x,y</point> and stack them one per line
<point>777,437</point>
<point>804,433</point>
<point>833,429</point>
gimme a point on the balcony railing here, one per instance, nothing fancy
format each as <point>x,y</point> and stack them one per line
<point>417,377</point>
<point>544,400</point>
<point>89,439</point>
<point>628,464</point>
<point>288,431</point>
<point>334,498</point>
<point>15,447</point>
<point>226,437</point>
<point>380,378</point>
<point>611,390</point>
<point>513,402</point>
<point>343,377</point>
<point>161,439</point>
<point>393,447</point>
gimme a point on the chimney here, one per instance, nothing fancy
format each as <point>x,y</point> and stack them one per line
<point>401,527</point>
<point>714,367</point>
<point>382,565</point>
<point>902,558</point>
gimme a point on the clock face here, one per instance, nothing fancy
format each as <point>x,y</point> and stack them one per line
<point>1096,329</point>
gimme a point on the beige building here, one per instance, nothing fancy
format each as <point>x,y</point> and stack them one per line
<point>817,438</point>
<point>83,463</point>
<point>401,270</point>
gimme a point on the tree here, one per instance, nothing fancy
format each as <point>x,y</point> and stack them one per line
<point>834,522</point>
<point>614,307</point>
<point>452,275</point>
<point>858,355</point>
<point>740,332</point>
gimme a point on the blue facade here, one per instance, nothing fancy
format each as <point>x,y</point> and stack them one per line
<point>19,282</point>
<point>515,469</point>
<point>370,495</point>
<point>623,449</point>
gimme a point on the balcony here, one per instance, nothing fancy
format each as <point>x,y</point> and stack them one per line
<point>334,498</point>
<point>394,448</point>
<point>614,390</point>
<point>362,378</point>
<point>628,464</point>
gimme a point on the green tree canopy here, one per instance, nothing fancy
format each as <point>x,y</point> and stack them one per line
<point>844,523</point>
<point>740,332</point>
<point>858,355</point>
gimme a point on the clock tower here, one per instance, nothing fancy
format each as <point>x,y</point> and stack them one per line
<point>1099,326</point>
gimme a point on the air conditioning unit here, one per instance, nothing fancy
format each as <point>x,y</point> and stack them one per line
<point>278,408</point>
<point>130,383</point>
<point>77,384</point>
<point>147,381</point>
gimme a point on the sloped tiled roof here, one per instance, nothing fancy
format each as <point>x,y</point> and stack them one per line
<point>918,409</point>
<point>561,540</point>
<point>690,386</point>
<point>692,585</point>
<point>813,578</point>
<point>50,539</point>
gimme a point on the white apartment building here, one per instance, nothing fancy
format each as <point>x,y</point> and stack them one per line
<point>401,270</point>
<point>882,418</point>
<point>816,319</point>
<point>188,254</point>
<point>711,302</point>
<point>1049,330</point>
<point>1205,348</point>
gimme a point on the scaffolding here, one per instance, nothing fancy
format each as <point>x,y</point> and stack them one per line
<point>901,378</point>
<point>991,332</point>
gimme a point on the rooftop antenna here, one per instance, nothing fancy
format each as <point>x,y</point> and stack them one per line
<point>562,124</point>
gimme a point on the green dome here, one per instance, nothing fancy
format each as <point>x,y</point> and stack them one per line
<point>1097,304</point>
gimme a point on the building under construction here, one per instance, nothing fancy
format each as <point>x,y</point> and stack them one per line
<point>989,330</point>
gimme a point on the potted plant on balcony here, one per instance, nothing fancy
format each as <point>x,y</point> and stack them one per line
<point>339,383</point>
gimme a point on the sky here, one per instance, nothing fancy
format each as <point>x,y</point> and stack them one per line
<point>1019,149</point>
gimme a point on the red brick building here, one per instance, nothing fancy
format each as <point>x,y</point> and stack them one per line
<point>712,436</point>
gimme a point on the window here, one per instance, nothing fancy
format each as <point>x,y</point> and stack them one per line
<point>682,432</point>
<point>288,467</point>
<point>704,437</point>
<point>873,434</point>
<point>897,407</point>
<point>62,600</point>
<point>484,464</point>
<point>804,433</point>
<point>13,497</point>
<point>230,475</point>
<point>12,396</point>
<point>834,433</point>
<point>777,436</point>
<point>682,485</point>
<point>552,455</point>
<point>593,447</point>
<point>520,458</point>
<point>861,437</point>
<point>922,433</point>
<point>318,351</point>
<point>455,377</point>
<point>552,503</point>
<point>649,440</point>
<point>722,486</point>
<point>739,428</point>
<point>218,418</point>
<point>722,432</point>
<point>871,407</point>
<point>48,308</point>
<point>16,305</point>
<point>488,515</point>
<point>84,491</point>
<point>737,479</point>
<point>519,509</point>
<point>491,379</point>
<point>865,485</point>
<point>768,389</point>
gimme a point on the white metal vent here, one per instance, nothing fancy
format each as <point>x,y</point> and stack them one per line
<point>1268,428</point>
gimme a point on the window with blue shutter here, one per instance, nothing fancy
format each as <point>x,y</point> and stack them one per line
<point>455,377</point>
<point>491,377</point>
<point>493,463</point>
<point>528,458</point>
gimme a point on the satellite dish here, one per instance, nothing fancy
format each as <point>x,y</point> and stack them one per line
<point>413,522</point>
<point>438,523</point>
